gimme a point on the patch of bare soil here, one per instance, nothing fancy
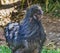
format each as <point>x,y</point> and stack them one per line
<point>2,37</point>
<point>52,29</point>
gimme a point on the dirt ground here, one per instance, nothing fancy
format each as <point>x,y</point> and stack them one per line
<point>52,29</point>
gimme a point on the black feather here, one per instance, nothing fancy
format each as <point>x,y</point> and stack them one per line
<point>29,32</point>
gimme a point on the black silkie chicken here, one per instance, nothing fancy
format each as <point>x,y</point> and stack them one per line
<point>27,36</point>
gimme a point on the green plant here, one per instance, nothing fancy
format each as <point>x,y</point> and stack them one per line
<point>50,48</point>
<point>22,4</point>
<point>46,50</point>
<point>4,49</point>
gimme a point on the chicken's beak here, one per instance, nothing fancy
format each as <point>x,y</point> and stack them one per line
<point>40,12</point>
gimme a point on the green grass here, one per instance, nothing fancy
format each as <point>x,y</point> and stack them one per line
<point>46,50</point>
<point>4,49</point>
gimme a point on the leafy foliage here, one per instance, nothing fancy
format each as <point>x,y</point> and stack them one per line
<point>46,50</point>
<point>49,6</point>
<point>50,48</point>
<point>4,49</point>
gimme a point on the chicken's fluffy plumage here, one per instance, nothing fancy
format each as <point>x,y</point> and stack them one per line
<point>29,30</point>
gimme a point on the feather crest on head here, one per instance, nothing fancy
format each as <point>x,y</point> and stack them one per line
<point>34,11</point>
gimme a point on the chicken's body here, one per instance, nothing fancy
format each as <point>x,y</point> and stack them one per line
<point>28,34</point>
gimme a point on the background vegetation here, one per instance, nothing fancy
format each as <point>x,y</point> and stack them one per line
<point>49,6</point>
